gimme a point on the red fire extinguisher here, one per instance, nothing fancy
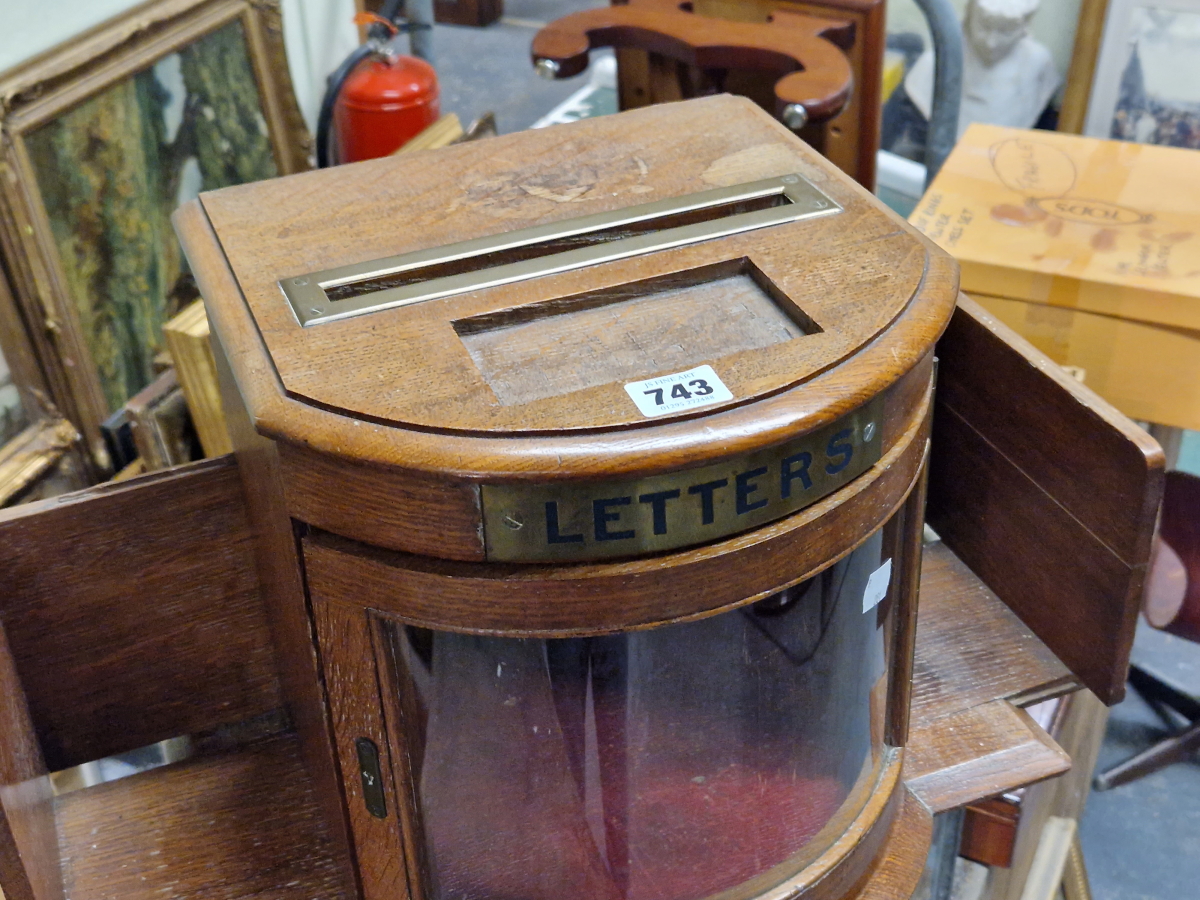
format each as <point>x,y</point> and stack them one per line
<point>377,100</point>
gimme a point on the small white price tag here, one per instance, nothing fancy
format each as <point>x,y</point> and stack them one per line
<point>877,586</point>
<point>683,390</point>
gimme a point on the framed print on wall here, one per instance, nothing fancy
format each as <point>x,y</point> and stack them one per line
<point>1146,86</point>
<point>103,138</point>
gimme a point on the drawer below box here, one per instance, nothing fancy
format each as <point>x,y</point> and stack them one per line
<point>1149,372</point>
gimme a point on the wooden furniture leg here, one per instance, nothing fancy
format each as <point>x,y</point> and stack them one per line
<point>1161,697</point>
<point>1172,750</point>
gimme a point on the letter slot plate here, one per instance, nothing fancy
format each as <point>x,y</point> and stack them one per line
<point>472,265</point>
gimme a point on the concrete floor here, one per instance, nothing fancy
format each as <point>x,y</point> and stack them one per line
<point>1141,841</point>
<point>482,69</point>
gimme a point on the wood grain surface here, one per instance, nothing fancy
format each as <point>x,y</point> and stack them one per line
<point>187,337</point>
<point>1078,728</point>
<point>809,71</point>
<point>901,860</point>
<point>357,711</point>
<point>228,827</point>
<point>28,843</point>
<point>908,590</point>
<point>396,510</point>
<point>989,830</point>
<point>974,661</point>
<point>415,513</point>
<point>409,366</point>
<point>1092,460</point>
<point>562,600</point>
<point>1045,491</point>
<point>971,648</point>
<point>281,581</point>
<point>851,139</point>
<point>334,387</point>
<point>15,882</point>
<point>979,752</point>
<point>133,612</point>
<point>401,720</point>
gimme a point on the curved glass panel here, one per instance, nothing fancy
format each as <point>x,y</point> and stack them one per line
<point>668,764</point>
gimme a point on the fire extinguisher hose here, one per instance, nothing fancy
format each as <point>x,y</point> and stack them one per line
<point>332,89</point>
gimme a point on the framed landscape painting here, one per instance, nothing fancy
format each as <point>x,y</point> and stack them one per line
<point>104,137</point>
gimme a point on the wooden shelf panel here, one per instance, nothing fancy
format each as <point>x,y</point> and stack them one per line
<point>226,827</point>
<point>974,660</point>
<point>971,648</point>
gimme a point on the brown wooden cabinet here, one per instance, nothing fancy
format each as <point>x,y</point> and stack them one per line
<point>611,535</point>
<point>576,527</point>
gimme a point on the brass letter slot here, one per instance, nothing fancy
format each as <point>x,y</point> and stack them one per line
<point>547,249</point>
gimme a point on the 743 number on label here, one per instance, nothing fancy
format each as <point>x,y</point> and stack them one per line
<point>700,386</point>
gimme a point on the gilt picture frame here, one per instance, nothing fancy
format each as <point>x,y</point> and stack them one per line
<point>41,453</point>
<point>1077,89</point>
<point>100,140</point>
<point>41,461</point>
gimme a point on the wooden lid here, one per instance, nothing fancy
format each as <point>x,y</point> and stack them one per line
<point>671,288</point>
<point>768,309</point>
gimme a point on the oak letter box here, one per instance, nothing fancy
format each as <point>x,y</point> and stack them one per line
<point>587,465</point>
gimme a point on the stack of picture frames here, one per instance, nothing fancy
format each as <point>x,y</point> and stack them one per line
<point>101,138</point>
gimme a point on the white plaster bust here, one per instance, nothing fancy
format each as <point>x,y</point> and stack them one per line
<point>1008,77</point>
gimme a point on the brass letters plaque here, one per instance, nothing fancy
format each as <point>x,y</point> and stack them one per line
<point>600,520</point>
